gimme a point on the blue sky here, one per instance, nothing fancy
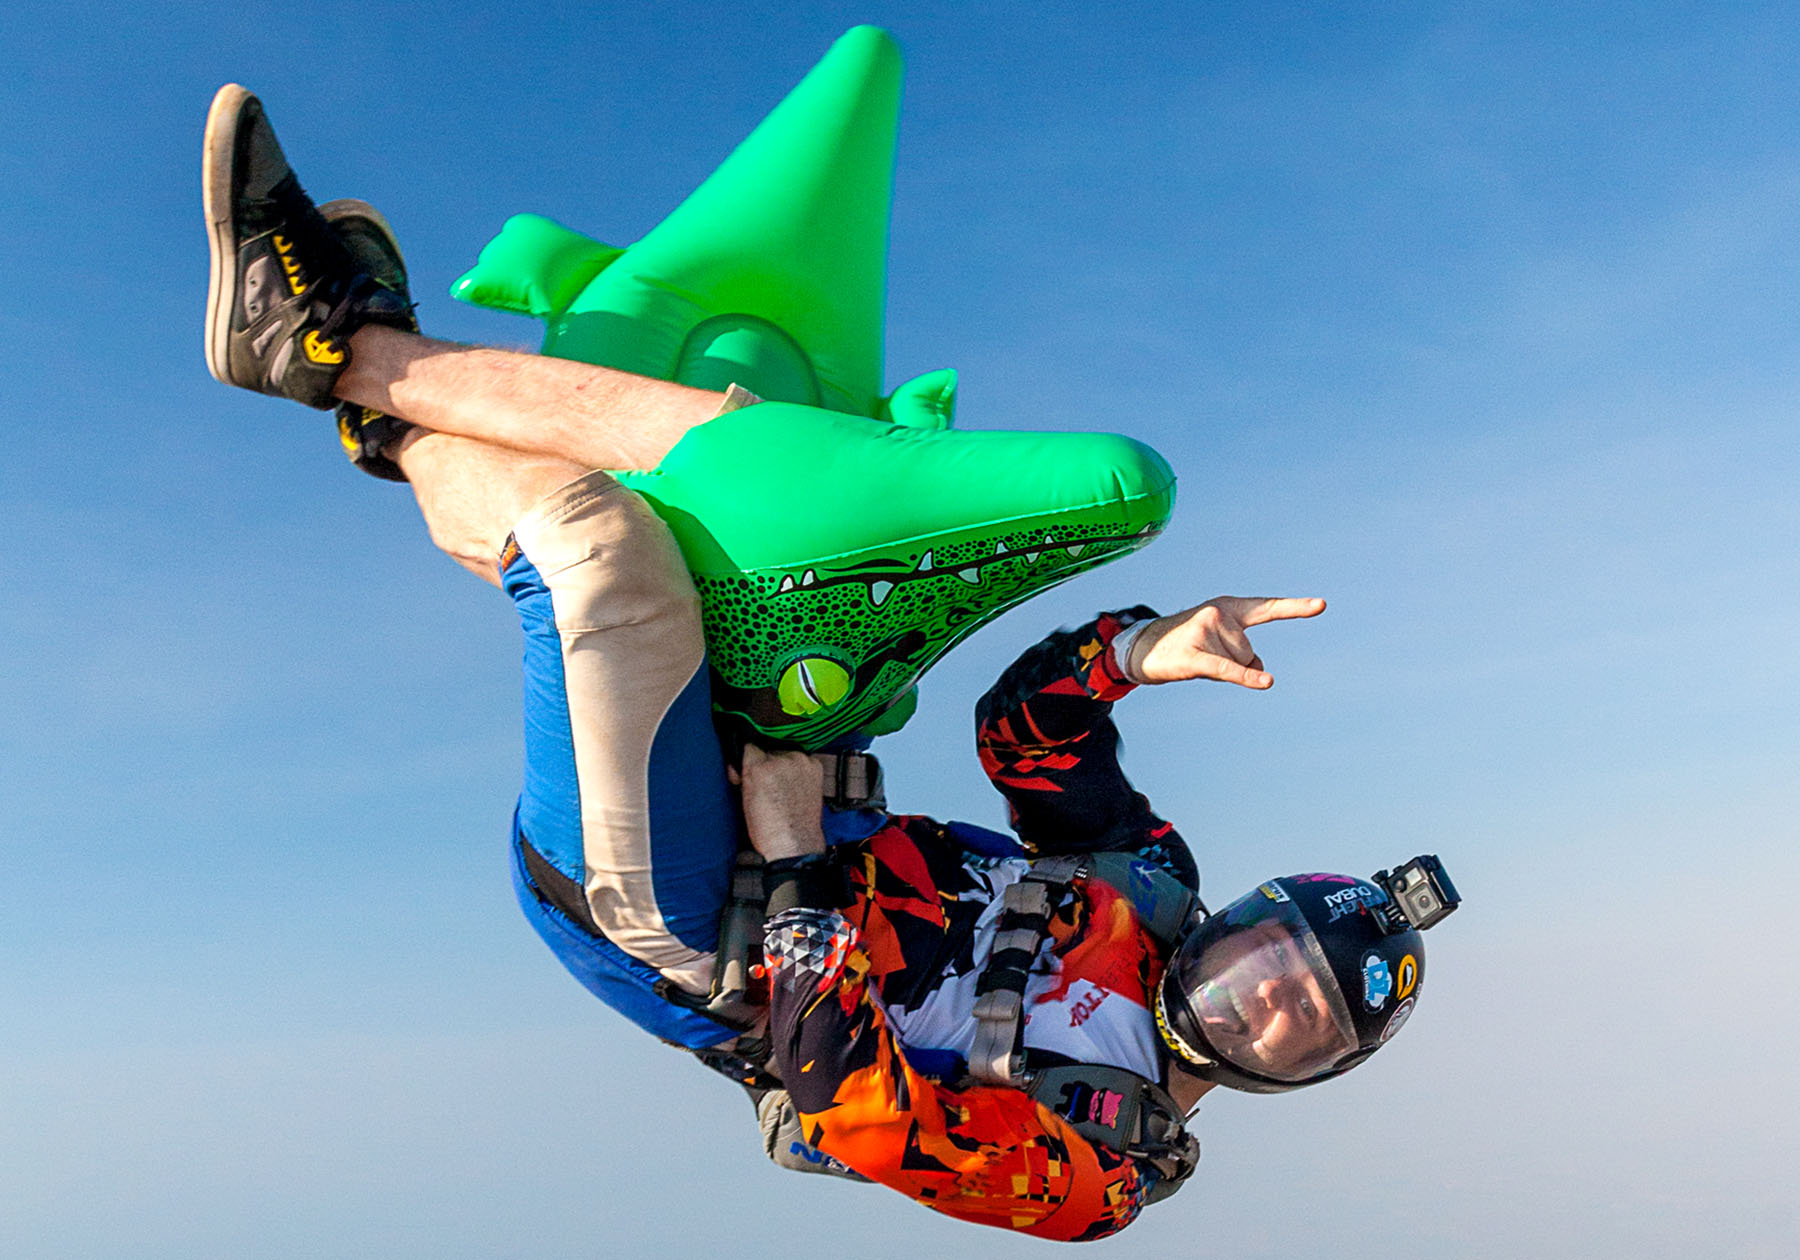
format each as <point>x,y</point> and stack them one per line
<point>1479,320</point>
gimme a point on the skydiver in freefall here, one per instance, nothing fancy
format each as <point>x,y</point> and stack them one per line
<point>1010,1029</point>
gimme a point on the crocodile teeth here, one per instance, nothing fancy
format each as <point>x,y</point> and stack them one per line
<point>787,584</point>
<point>925,561</point>
<point>1075,549</point>
<point>879,591</point>
<point>1031,557</point>
<point>808,578</point>
<point>999,548</point>
<point>971,575</point>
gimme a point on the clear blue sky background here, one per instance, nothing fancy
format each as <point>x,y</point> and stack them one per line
<point>1480,320</point>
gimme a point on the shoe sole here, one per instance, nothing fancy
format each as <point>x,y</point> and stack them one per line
<point>218,156</point>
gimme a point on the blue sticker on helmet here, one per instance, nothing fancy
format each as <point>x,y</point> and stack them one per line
<point>1378,981</point>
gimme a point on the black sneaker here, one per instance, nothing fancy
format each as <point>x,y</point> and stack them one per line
<point>364,431</point>
<point>286,293</point>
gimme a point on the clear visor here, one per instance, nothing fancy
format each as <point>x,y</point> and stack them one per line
<point>1266,1001</point>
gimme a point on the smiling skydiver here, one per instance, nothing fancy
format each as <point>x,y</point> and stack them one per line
<point>1010,1030</point>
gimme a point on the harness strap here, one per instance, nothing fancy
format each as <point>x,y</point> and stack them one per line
<point>997,1057</point>
<point>740,947</point>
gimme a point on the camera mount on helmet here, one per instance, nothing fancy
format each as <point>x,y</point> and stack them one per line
<point>1420,895</point>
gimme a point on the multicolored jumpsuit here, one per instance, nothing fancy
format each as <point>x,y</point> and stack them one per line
<point>871,1013</point>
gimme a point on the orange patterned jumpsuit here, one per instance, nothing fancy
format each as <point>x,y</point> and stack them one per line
<point>872,987</point>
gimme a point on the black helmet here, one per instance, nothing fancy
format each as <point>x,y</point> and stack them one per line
<point>1301,979</point>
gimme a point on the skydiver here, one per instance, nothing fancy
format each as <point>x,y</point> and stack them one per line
<point>1011,1030</point>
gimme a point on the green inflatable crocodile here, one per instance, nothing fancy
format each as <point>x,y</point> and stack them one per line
<point>842,540</point>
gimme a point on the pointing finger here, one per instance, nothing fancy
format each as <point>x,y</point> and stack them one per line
<point>1256,612</point>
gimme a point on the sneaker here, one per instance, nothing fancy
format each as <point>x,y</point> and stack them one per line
<point>364,431</point>
<point>286,293</point>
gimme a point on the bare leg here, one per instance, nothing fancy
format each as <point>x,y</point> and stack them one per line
<point>592,416</point>
<point>471,493</point>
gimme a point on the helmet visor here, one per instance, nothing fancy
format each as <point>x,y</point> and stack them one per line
<point>1262,994</point>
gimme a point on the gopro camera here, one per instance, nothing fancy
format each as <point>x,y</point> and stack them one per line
<point>1420,894</point>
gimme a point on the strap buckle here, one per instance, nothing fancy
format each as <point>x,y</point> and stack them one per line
<point>853,780</point>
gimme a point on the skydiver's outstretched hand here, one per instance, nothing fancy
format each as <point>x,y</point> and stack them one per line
<point>1209,641</point>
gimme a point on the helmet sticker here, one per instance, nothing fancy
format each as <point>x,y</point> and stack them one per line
<point>1396,1020</point>
<point>1378,983</point>
<point>1352,900</point>
<point>1409,975</point>
<point>1274,892</point>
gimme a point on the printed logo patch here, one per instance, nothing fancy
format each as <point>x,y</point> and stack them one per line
<point>1089,1104</point>
<point>1083,1008</point>
<point>1378,982</point>
<point>1352,900</point>
<point>320,350</point>
<point>1105,1107</point>
<point>1143,889</point>
<point>1409,976</point>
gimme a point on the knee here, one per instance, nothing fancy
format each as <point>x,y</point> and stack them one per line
<point>612,562</point>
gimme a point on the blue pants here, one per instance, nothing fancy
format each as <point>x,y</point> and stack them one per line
<point>625,833</point>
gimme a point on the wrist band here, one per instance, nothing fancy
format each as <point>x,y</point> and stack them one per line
<point>1122,645</point>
